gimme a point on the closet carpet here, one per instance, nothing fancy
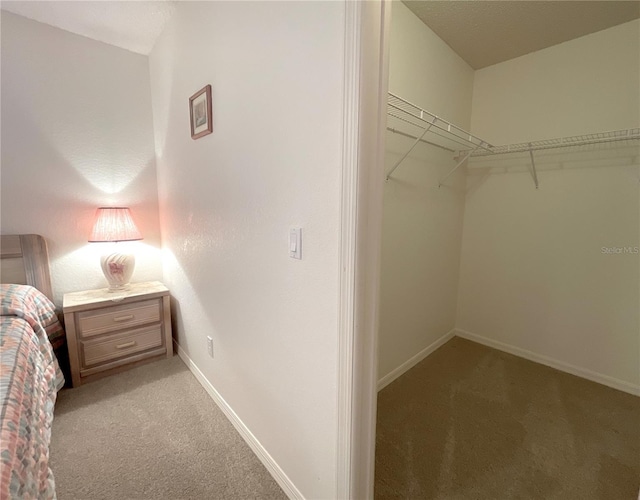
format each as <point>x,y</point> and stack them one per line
<point>471,422</point>
<point>151,433</point>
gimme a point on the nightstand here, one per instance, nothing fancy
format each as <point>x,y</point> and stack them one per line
<point>108,332</point>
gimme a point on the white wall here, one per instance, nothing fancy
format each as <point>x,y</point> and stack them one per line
<point>533,273</point>
<point>422,225</point>
<point>227,202</point>
<point>76,134</point>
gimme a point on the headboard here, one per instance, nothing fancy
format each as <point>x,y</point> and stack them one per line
<point>24,260</point>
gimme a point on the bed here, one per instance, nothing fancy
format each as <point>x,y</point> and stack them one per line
<point>30,375</point>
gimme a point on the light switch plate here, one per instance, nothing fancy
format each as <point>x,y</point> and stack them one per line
<point>295,243</point>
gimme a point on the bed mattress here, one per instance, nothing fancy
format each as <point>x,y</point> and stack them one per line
<point>29,380</point>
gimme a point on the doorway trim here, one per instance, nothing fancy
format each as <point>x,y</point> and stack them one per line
<point>366,74</point>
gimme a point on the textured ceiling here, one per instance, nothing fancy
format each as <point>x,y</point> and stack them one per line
<point>134,26</point>
<point>481,32</point>
<point>488,32</point>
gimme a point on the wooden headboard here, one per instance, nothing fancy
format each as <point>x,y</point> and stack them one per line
<point>24,260</point>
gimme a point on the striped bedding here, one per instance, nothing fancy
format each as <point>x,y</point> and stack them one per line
<point>29,380</point>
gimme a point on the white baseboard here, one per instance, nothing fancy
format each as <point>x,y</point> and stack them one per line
<point>615,383</point>
<point>263,455</point>
<point>413,361</point>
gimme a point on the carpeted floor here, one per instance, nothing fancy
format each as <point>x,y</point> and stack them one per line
<point>151,433</point>
<point>470,422</point>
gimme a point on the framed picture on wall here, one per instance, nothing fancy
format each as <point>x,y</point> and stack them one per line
<point>201,114</point>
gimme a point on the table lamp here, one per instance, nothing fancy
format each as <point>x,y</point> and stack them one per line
<point>115,224</point>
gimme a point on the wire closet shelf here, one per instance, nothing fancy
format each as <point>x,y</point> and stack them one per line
<point>407,112</point>
<point>563,142</point>
<point>464,145</point>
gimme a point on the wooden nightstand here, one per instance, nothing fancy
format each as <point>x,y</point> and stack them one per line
<point>110,332</point>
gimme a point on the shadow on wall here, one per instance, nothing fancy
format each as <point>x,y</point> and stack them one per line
<point>424,168</point>
<point>590,157</point>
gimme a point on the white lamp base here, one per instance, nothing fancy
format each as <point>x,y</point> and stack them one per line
<point>118,268</point>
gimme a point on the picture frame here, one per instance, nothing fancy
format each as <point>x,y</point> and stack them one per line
<point>200,112</point>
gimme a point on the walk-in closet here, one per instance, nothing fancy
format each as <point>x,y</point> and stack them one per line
<point>509,330</point>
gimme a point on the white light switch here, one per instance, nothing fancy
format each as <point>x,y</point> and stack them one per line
<point>295,243</point>
<point>210,346</point>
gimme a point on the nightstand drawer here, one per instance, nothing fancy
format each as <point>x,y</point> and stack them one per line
<point>116,346</point>
<point>108,333</point>
<point>116,318</point>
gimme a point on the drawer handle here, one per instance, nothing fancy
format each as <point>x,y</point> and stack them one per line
<point>125,345</point>
<point>123,318</point>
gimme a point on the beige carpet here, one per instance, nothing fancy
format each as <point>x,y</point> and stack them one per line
<point>151,433</point>
<point>470,422</point>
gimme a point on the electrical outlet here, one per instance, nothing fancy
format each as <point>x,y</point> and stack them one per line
<point>210,346</point>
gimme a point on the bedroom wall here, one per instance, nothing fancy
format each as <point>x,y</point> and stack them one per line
<point>227,201</point>
<point>76,134</point>
<point>422,225</point>
<point>537,276</point>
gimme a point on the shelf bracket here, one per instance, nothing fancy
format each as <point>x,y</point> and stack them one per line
<point>534,174</point>
<point>467,155</point>
<point>417,141</point>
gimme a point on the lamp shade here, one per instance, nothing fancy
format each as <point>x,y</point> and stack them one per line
<point>114,224</point>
